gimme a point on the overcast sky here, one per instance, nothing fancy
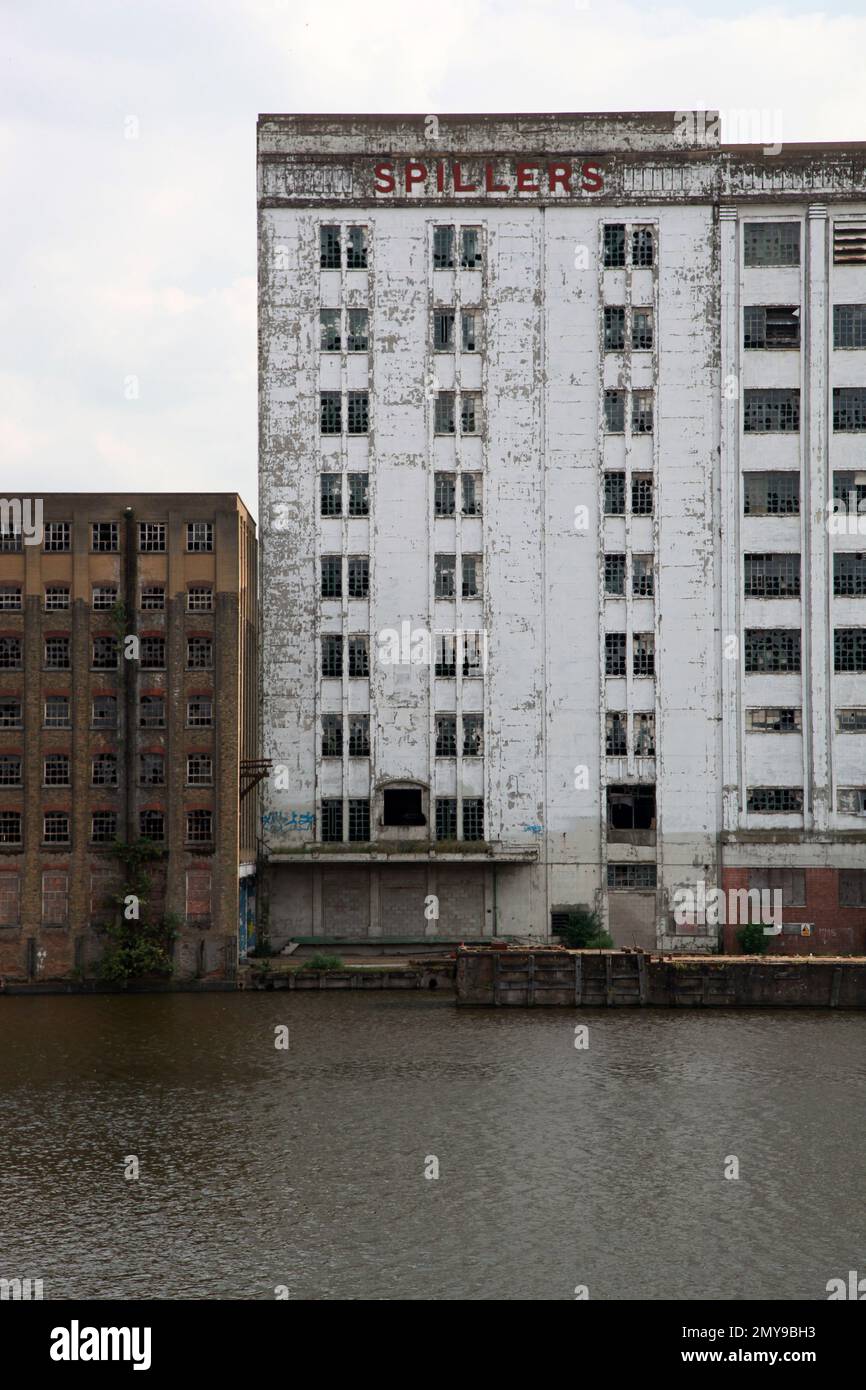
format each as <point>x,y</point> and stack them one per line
<point>129,263</point>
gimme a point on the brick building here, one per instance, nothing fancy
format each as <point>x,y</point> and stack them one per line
<point>128,711</point>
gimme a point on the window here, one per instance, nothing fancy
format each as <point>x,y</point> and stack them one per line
<point>199,598</point>
<point>332,820</point>
<point>642,577</point>
<point>103,712</point>
<point>199,653</point>
<point>199,535</point>
<point>473,818</point>
<point>614,328</point>
<point>104,596</point>
<point>851,801</point>
<point>199,890</point>
<point>104,653</point>
<point>199,712</point>
<point>10,538</point>
<point>103,827</point>
<point>774,719</point>
<point>55,898</point>
<point>331,494</point>
<point>614,654</point>
<point>10,653</point>
<point>631,807</point>
<point>771,243</point>
<point>849,243</point>
<point>402,806</point>
<point>57,653</point>
<point>199,770</point>
<point>55,770</point>
<point>474,645</point>
<point>199,827</point>
<point>359,494</point>
<point>443,248</point>
<point>849,649</point>
<point>329,248</point>
<point>10,900</point>
<point>359,736</point>
<point>771,576</point>
<point>772,412</point>
<point>358,336</point>
<point>469,330</point>
<point>152,653</point>
<point>151,537</point>
<point>152,825</point>
<point>849,492</point>
<point>471,576</point>
<point>445,664</point>
<point>55,828</point>
<point>470,412</point>
<point>153,597</point>
<point>446,818</point>
<point>644,735</point>
<point>771,326</point>
<point>473,735</point>
<point>329,330</point>
<point>56,711</point>
<point>772,649</point>
<point>614,412</point>
<point>57,535</point>
<point>359,657</point>
<point>103,770</point>
<point>10,770</point>
<point>105,536</point>
<point>446,576</point>
<point>443,413</point>
<point>642,494</point>
<point>851,721</point>
<point>356,248</point>
<point>849,325</point>
<point>791,883</point>
<point>615,735</point>
<point>151,712</point>
<point>359,576</point>
<point>359,412</point>
<point>643,654</point>
<point>614,575</point>
<point>849,409</point>
<point>10,827</point>
<point>10,714</point>
<point>642,246</point>
<point>774,801</point>
<point>359,819</point>
<point>332,736</point>
<point>446,736</point>
<point>849,574</point>
<point>330,412</point>
<point>631,876</point>
<point>852,887</point>
<point>642,330</point>
<point>56,597</point>
<point>443,330</point>
<point>332,654</point>
<point>614,494</point>
<point>10,597</point>
<point>470,248</point>
<point>613,244</point>
<point>443,494</point>
<point>470,486</point>
<point>771,494</point>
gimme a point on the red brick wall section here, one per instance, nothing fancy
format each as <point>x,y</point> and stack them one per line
<point>838,930</point>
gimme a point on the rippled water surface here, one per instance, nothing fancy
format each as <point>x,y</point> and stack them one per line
<point>557,1166</point>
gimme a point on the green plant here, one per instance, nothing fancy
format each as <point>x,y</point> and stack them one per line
<point>135,946</point>
<point>752,939</point>
<point>583,932</point>
<point>322,962</point>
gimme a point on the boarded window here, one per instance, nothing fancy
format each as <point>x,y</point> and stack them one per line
<point>198,897</point>
<point>10,900</point>
<point>55,899</point>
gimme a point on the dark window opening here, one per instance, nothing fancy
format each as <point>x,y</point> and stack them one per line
<point>402,806</point>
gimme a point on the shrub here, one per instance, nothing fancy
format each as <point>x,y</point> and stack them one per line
<point>320,962</point>
<point>752,940</point>
<point>583,932</point>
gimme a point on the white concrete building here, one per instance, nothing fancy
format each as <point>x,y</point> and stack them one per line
<point>511,603</point>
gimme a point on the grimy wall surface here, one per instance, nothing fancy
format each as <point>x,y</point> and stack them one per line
<point>609,706</point>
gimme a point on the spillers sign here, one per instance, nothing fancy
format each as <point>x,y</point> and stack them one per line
<point>545,178</point>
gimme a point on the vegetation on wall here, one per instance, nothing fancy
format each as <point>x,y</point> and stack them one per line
<point>135,946</point>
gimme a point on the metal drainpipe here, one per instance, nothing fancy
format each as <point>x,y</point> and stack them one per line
<point>129,669</point>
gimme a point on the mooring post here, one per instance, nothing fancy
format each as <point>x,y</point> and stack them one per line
<point>578,979</point>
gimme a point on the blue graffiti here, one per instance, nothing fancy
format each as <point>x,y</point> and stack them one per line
<point>533,829</point>
<point>288,820</point>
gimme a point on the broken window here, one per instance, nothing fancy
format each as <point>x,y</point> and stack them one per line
<point>774,719</point>
<point>359,819</point>
<point>446,576</point>
<point>643,654</point>
<point>849,325</point>
<point>613,244</point>
<point>473,735</point>
<point>199,713</point>
<point>57,597</point>
<point>631,807</point>
<point>403,806</point>
<point>849,243</point>
<point>103,712</point>
<point>199,653</point>
<point>642,494</point>
<point>151,825</point>
<point>443,494</point>
<point>199,535</point>
<point>849,492</point>
<point>103,770</point>
<point>614,494</point>
<point>359,412</point>
<point>636,876</point>
<point>358,334</point>
<point>446,818</point>
<point>470,412</point>
<point>331,494</point>
<point>771,576</point>
<point>152,653</point>
<point>332,654</point>
<point>849,574</point>
<point>473,818</point>
<point>359,735</point>
<point>10,597</point>
<point>851,721</point>
<point>474,652</point>
<point>446,736</point>
<point>771,326</point>
<point>771,494</point>
<point>199,598</point>
<point>774,801</point>
<point>105,536</point>
<point>642,330</point>
<point>330,412</point>
<point>849,649</point>
<point>359,576</point>
<point>470,248</point>
<point>332,736</point>
<point>56,712</point>
<point>446,654</point>
<point>103,827</point>
<point>356,248</point>
<point>10,714</point>
<point>614,575</point>
<point>443,414</point>
<point>332,820</point>
<point>10,771</point>
<point>615,735</point>
<point>332,576</point>
<point>199,827</point>
<point>772,649</point>
<point>642,576</point>
<point>199,770</point>
<point>443,330</point>
<point>469,330</point>
<point>151,772</point>
<point>359,657</point>
<point>10,653</point>
<point>642,412</point>
<point>329,248</point>
<point>644,735</point>
<point>775,411</point>
<point>443,248</point>
<point>471,576</point>
<point>614,412</point>
<point>57,535</point>
<point>359,501</point>
<point>614,653</point>
<point>329,330</point>
<point>152,598</point>
<point>10,538</point>
<point>57,652</point>
<point>771,243</point>
<point>470,486</point>
<point>10,827</point>
<point>614,328</point>
<point>151,712</point>
<point>642,246</point>
<point>849,408</point>
<point>151,537</point>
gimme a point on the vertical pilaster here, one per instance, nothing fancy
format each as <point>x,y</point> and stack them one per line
<point>731,635</point>
<point>816,550</point>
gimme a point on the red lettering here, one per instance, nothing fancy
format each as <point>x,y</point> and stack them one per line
<point>525,174</point>
<point>415,173</point>
<point>559,176</point>
<point>459,185</point>
<point>592,180</point>
<point>384,178</point>
<point>490,186</point>
<point>440,176</point>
